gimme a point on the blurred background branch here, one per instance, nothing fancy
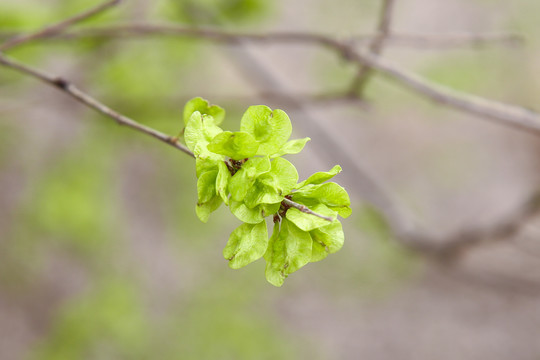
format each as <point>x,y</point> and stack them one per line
<point>375,47</point>
<point>402,39</point>
<point>58,28</point>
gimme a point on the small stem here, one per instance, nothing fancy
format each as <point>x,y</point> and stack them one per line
<point>305,209</point>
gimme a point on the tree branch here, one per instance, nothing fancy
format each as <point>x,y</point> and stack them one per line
<point>375,47</point>
<point>509,115</point>
<point>305,209</point>
<point>451,248</point>
<point>57,28</point>
<point>73,91</point>
<point>419,40</point>
<point>394,38</point>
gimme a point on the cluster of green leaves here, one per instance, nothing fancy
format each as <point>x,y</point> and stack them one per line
<point>245,170</point>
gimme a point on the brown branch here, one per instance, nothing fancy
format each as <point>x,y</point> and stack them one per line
<point>509,115</point>
<point>57,28</point>
<point>375,47</point>
<point>73,91</point>
<point>417,40</point>
<point>499,282</point>
<point>451,248</point>
<point>305,209</point>
<point>209,33</point>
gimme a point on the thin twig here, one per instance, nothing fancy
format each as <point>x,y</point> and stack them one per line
<point>395,38</point>
<point>451,40</point>
<point>305,209</point>
<point>57,28</point>
<point>89,101</point>
<point>509,115</point>
<point>375,47</point>
<point>209,33</point>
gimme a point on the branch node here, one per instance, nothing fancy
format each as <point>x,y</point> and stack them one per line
<point>61,83</point>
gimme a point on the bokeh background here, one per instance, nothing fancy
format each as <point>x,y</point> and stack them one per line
<point>102,256</point>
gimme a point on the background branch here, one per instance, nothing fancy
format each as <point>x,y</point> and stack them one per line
<point>395,38</point>
<point>57,28</point>
<point>375,47</point>
<point>509,115</point>
<point>419,40</point>
<point>451,248</point>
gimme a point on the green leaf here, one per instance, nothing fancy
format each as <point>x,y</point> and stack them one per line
<point>222,181</point>
<point>245,178</point>
<point>327,240</point>
<point>202,106</point>
<point>270,128</point>
<point>281,178</point>
<point>256,167</point>
<point>206,186</point>
<point>285,174</point>
<point>292,147</point>
<point>254,215</point>
<point>247,243</point>
<point>245,214</point>
<point>262,194</point>
<point>270,209</point>
<point>330,235</point>
<point>318,252</point>
<point>275,258</point>
<point>271,187</point>
<point>287,252</point>
<point>203,165</point>
<point>320,177</point>
<point>308,222</point>
<point>238,145</point>
<point>329,194</point>
<point>204,210</point>
<point>343,211</point>
<point>200,130</point>
<point>239,185</point>
<point>207,189</point>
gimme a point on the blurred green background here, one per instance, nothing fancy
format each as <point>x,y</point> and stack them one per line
<point>102,256</point>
